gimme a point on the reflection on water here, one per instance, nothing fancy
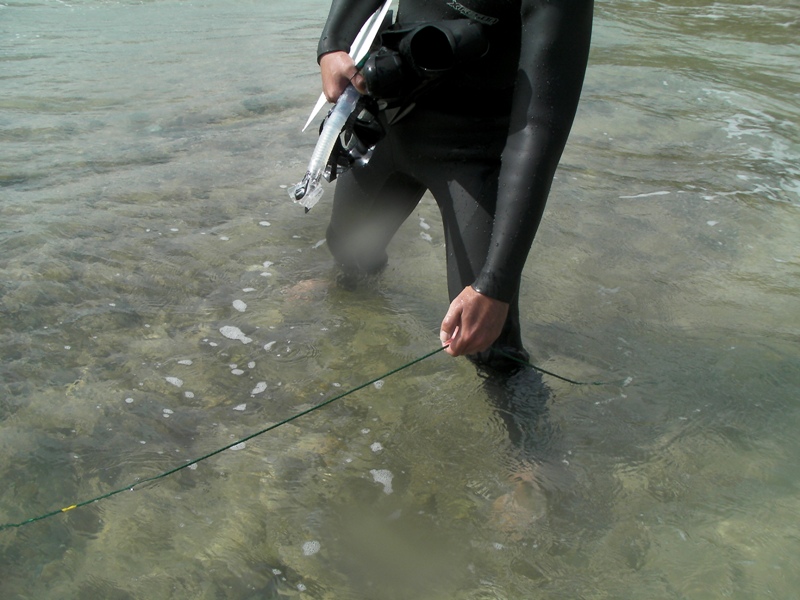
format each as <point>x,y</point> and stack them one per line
<point>161,299</point>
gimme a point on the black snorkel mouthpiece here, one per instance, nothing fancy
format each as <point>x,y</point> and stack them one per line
<point>301,188</point>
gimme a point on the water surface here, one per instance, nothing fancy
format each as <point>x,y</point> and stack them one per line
<point>162,298</point>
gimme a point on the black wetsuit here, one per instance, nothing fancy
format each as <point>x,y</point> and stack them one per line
<point>485,141</point>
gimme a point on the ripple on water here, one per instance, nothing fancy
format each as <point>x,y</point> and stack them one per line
<point>292,352</point>
<point>133,197</point>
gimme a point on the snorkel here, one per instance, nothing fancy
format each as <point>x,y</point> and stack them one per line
<point>308,192</point>
<point>409,61</point>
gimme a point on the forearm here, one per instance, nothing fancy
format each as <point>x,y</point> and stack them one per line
<point>554,52</point>
<point>344,22</point>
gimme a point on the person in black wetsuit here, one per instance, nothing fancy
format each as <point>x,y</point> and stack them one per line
<point>485,140</point>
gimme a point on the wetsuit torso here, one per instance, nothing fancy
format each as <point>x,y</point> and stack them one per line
<point>501,22</point>
<point>514,107</point>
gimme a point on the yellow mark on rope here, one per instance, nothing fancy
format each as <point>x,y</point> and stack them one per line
<point>69,508</point>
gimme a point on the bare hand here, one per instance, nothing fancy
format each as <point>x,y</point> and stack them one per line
<point>472,323</point>
<point>338,70</point>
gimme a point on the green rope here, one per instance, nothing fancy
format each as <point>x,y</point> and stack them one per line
<point>546,372</point>
<point>141,482</point>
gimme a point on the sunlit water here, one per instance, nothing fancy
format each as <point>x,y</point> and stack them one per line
<point>162,298</point>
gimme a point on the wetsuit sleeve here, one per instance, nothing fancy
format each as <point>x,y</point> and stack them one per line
<point>344,22</point>
<point>554,52</point>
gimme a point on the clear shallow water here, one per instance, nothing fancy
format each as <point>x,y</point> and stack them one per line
<point>143,147</point>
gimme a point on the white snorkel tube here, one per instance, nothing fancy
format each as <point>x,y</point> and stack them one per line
<point>307,193</point>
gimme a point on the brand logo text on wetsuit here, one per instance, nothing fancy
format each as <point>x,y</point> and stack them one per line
<point>471,14</point>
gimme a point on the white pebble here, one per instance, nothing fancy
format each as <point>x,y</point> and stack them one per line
<point>239,305</point>
<point>384,477</point>
<point>174,381</point>
<point>185,361</point>
<point>378,384</point>
<point>311,547</point>
<point>268,346</point>
<point>376,447</point>
<point>189,394</point>
<point>237,371</point>
<point>240,407</point>
<point>129,400</point>
<point>260,387</point>
<point>234,333</point>
<point>265,223</point>
<point>239,446</point>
